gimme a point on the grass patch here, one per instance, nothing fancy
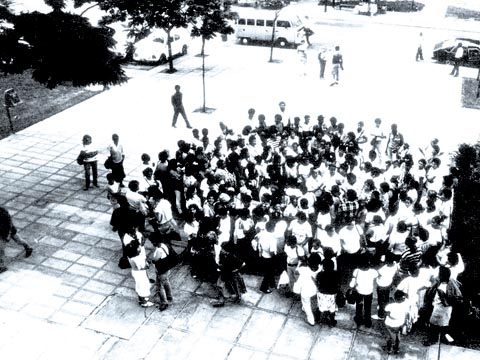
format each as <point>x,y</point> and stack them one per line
<point>39,102</point>
<point>469,93</point>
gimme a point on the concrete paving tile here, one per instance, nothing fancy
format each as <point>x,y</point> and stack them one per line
<point>231,317</point>
<point>111,277</point>
<point>275,302</point>
<point>83,270</point>
<point>21,264</point>
<point>57,214</point>
<point>73,279</point>
<point>22,224</point>
<point>65,291</point>
<point>165,318</point>
<point>174,345</point>
<point>16,205</point>
<point>39,311</point>
<point>66,255</point>
<point>210,348</point>
<point>66,172</point>
<point>57,264</point>
<point>118,316</point>
<point>99,287</point>
<point>332,341</point>
<point>50,240</point>
<point>242,353</point>
<point>36,257</point>
<point>195,316</point>
<point>105,254</point>
<point>76,202</point>
<point>457,353</point>
<point>203,289</point>
<point>77,247</point>
<point>127,292</point>
<point>11,162</point>
<point>367,346</point>
<point>251,297</point>
<point>13,175</point>
<point>48,271</point>
<point>65,318</point>
<point>298,345</point>
<point>262,330</point>
<point>112,266</point>
<point>77,308</point>
<point>55,164</point>
<point>36,210</point>
<point>28,166</point>
<point>86,239</point>
<point>48,221</point>
<point>57,177</point>
<point>108,244</point>
<point>89,297</point>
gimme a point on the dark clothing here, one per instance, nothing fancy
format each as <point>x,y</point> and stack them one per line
<point>363,310</point>
<point>178,108</point>
<point>268,269</point>
<point>328,282</point>
<point>6,225</point>
<point>118,171</point>
<point>94,170</point>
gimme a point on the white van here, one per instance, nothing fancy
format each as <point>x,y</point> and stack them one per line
<point>257,25</point>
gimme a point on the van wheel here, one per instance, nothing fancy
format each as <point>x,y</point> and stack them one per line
<point>449,62</point>
<point>184,50</point>
<point>282,42</point>
<point>244,41</point>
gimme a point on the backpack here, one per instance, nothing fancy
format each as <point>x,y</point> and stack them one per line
<point>165,264</point>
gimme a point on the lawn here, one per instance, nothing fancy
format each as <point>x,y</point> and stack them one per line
<point>38,103</point>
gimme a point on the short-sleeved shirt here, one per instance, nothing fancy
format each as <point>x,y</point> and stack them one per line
<point>396,314</point>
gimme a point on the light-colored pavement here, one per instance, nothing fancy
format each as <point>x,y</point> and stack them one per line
<point>70,300</point>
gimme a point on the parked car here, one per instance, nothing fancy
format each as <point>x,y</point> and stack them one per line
<point>154,48</point>
<point>442,52</point>
<point>402,5</point>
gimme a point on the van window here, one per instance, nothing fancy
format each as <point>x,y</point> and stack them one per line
<point>270,23</point>
<point>177,37</point>
<point>283,23</point>
<point>241,21</point>
<point>251,22</point>
<point>260,22</point>
<point>159,40</point>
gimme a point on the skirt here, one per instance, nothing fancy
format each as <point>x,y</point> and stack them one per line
<point>142,283</point>
<point>326,302</point>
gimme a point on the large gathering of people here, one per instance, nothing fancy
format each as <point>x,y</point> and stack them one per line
<point>318,210</point>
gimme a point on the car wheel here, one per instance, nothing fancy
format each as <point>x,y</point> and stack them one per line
<point>163,59</point>
<point>449,62</point>
<point>244,41</point>
<point>184,50</point>
<point>281,42</point>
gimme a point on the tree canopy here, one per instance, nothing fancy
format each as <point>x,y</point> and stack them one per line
<point>59,47</point>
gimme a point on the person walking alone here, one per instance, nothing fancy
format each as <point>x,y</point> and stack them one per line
<point>9,231</point>
<point>178,108</point>
<point>458,55</point>
<point>337,64</point>
<point>322,58</point>
<point>419,55</point>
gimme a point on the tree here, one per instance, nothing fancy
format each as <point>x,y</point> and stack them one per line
<point>212,20</point>
<point>59,47</point>
<point>162,14</point>
<point>465,229</point>
<point>277,6</point>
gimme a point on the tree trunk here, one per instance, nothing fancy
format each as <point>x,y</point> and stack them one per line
<point>203,73</point>
<point>273,35</point>
<point>170,57</point>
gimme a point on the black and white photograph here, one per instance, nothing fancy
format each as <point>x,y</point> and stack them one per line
<point>239,179</point>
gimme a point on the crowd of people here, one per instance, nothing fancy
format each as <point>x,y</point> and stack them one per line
<point>320,212</point>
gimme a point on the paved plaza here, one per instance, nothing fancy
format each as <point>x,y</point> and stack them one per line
<point>70,300</point>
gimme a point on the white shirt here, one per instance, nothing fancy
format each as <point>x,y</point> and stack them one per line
<point>396,314</point>
<point>350,239</point>
<point>363,281</point>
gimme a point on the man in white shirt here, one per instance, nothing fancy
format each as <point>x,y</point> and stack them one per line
<point>267,248</point>
<point>116,159</point>
<point>458,55</point>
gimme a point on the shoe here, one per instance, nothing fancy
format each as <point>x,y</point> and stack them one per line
<point>169,298</point>
<point>152,281</point>
<point>28,252</point>
<point>267,291</point>
<point>3,269</point>
<point>163,307</point>
<point>217,303</point>
<point>189,127</point>
<point>85,188</point>
<point>147,304</point>
<point>114,229</point>
<point>95,185</point>
<point>368,324</point>
<point>174,126</point>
